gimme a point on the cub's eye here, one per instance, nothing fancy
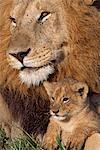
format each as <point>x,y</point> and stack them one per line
<point>65,99</point>
<point>44,16</point>
<point>52,98</point>
<point>13,20</point>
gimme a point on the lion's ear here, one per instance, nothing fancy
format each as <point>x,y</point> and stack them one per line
<point>81,89</point>
<point>49,88</point>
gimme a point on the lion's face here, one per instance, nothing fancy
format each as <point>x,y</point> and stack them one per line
<point>37,39</point>
<point>67,98</point>
<point>41,36</point>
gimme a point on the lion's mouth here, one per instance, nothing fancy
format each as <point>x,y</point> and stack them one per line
<point>35,76</point>
<point>33,71</point>
<point>52,63</point>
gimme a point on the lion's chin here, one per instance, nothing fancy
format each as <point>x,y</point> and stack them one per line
<point>35,77</point>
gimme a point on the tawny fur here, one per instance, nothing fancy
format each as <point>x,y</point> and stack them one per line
<point>80,45</point>
<point>73,118</point>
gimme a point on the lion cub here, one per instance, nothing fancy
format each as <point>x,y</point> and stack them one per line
<point>72,116</point>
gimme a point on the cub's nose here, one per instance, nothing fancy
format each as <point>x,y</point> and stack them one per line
<point>20,55</point>
<point>55,111</point>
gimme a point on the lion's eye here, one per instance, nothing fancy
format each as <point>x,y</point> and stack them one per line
<point>44,16</point>
<point>65,99</point>
<point>13,20</point>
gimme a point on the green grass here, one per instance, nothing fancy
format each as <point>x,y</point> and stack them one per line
<point>25,143</point>
<point>59,143</point>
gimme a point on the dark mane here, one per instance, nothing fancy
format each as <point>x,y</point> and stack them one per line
<point>32,110</point>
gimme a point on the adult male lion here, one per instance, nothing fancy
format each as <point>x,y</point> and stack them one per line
<point>40,40</point>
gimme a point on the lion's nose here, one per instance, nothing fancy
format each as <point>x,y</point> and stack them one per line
<point>20,55</point>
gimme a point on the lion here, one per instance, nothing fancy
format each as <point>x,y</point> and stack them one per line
<point>73,118</point>
<point>45,40</point>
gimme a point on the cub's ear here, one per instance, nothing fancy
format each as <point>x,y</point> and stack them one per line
<point>89,2</point>
<point>49,88</point>
<point>81,89</point>
<point>95,3</point>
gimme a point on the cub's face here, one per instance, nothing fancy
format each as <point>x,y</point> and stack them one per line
<point>67,99</point>
<point>41,35</point>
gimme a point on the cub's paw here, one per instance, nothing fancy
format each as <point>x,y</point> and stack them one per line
<point>49,143</point>
<point>51,147</point>
<point>50,138</point>
<point>73,142</point>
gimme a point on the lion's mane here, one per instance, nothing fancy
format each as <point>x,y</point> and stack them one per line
<point>29,106</point>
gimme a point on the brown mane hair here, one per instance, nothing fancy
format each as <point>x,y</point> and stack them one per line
<point>25,107</point>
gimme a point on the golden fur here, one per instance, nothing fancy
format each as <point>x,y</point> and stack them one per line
<point>72,116</point>
<point>66,42</point>
<point>83,38</point>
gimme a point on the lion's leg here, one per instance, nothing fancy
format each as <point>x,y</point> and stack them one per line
<point>5,117</point>
<point>16,130</point>
<point>7,128</point>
